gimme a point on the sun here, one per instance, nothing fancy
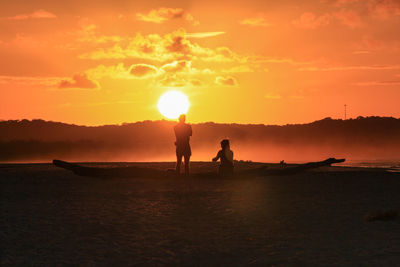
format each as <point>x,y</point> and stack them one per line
<point>172,104</point>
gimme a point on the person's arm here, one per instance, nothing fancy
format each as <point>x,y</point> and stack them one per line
<point>190,130</point>
<point>218,156</point>
<point>176,137</point>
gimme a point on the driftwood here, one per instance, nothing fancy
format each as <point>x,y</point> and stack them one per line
<point>134,171</point>
<point>304,167</point>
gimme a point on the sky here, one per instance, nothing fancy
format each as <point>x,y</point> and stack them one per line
<point>270,62</point>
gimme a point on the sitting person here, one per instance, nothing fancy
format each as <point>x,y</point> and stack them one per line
<point>226,157</point>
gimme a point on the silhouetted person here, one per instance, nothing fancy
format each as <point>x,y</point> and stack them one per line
<point>226,157</point>
<point>183,132</point>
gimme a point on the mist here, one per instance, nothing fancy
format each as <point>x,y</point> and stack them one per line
<point>372,138</point>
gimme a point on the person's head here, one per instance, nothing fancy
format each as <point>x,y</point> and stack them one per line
<point>182,118</point>
<point>225,143</point>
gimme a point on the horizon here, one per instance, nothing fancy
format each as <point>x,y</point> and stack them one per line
<point>272,63</point>
<point>197,123</point>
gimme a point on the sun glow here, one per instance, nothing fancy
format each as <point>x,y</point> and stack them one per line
<point>172,104</point>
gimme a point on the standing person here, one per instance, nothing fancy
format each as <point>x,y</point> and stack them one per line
<point>226,157</point>
<point>183,132</point>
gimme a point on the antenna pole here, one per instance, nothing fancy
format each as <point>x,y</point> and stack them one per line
<point>345,111</point>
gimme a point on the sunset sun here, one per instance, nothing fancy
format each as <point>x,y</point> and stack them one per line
<point>172,104</point>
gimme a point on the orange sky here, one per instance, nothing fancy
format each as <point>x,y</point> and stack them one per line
<point>273,62</point>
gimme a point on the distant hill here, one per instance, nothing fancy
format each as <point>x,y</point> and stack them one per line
<point>361,138</point>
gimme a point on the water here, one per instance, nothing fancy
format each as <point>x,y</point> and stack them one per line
<point>387,164</point>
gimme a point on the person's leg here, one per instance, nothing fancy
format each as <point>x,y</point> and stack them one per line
<point>178,163</point>
<point>187,160</point>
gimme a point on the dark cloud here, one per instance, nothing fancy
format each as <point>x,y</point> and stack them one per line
<point>226,81</point>
<point>179,45</point>
<point>78,81</point>
<point>38,14</point>
<point>143,70</point>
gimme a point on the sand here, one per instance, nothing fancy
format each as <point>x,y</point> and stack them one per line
<point>51,217</point>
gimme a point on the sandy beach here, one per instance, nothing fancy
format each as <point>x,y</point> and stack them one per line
<point>51,217</point>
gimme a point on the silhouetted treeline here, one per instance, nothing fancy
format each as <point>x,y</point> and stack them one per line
<point>361,138</point>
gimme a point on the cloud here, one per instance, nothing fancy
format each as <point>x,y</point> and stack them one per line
<point>151,47</point>
<point>369,43</point>
<point>170,47</point>
<point>163,14</point>
<point>377,83</point>
<point>239,69</point>
<point>290,61</point>
<point>347,68</point>
<point>222,54</point>
<point>170,58</point>
<point>173,81</point>
<point>160,15</point>
<point>350,12</point>
<point>309,20</point>
<point>143,70</point>
<point>177,66</point>
<point>256,21</point>
<point>38,14</point>
<point>178,44</point>
<point>87,33</point>
<point>120,72</point>
<point>190,18</point>
<point>360,52</point>
<point>28,80</point>
<point>203,34</point>
<point>272,96</point>
<point>345,2</point>
<point>176,73</point>
<point>384,9</point>
<point>348,18</point>
<point>114,72</point>
<point>181,73</point>
<point>230,81</point>
<point>78,81</point>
